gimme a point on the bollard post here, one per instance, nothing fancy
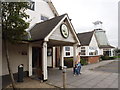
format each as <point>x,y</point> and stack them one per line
<point>64,76</point>
<point>20,73</point>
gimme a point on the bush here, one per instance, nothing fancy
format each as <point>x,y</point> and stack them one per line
<point>107,58</point>
<point>84,62</point>
<point>68,62</point>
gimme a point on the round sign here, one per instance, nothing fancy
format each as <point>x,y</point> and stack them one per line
<point>64,30</point>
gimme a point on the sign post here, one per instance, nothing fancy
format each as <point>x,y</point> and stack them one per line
<point>64,76</point>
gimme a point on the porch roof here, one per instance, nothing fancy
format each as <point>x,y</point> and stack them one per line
<point>41,30</point>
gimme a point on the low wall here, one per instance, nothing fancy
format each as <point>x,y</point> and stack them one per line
<point>91,59</point>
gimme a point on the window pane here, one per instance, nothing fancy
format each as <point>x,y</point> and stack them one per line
<point>44,18</point>
<point>82,52</point>
<point>82,47</point>
<point>31,5</point>
<point>67,48</point>
<point>67,53</point>
<point>91,53</point>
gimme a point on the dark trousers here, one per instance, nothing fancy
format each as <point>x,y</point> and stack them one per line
<point>75,71</point>
<point>79,68</point>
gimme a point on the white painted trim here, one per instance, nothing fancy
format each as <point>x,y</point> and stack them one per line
<point>53,57</point>
<point>30,59</point>
<point>44,61</point>
<point>47,37</point>
<point>73,31</point>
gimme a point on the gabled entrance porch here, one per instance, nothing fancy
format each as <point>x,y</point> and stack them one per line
<point>46,36</point>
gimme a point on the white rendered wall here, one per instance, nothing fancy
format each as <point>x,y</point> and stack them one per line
<point>41,8</point>
<point>101,51</point>
<point>16,58</point>
<point>94,44</point>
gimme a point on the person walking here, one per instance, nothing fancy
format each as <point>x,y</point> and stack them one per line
<point>78,63</point>
<point>77,67</point>
<point>75,71</point>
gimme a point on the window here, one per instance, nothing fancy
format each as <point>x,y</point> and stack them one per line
<point>91,53</point>
<point>67,48</point>
<point>31,5</point>
<point>67,53</point>
<point>82,47</point>
<point>83,51</point>
<point>44,18</point>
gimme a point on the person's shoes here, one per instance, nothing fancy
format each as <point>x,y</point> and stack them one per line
<point>74,75</point>
<point>80,73</point>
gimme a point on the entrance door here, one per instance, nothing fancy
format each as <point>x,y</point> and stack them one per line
<point>37,62</point>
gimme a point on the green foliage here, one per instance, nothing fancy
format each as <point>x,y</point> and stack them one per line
<point>13,20</point>
<point>116,56</point>
<point>84,62</point>
<point>107,58</point>
<point>68,62</point>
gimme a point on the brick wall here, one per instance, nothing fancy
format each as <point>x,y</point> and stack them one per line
<point>93,59</point>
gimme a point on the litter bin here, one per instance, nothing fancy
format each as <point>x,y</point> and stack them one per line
<point>20,73</point>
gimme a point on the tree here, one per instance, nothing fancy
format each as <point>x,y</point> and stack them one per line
<point>13,26</point>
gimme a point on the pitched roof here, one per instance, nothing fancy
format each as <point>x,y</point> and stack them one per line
<point>85,38</point>
<point>106,46</point>
<point>41,30</point>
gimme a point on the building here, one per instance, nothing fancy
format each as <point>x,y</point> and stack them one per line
<point>89,47</point>
<point>93,45</point>
<point>105,48</point>
<point>43,47</point>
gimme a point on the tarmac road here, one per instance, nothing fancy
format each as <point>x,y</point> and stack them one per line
<point>111,67</point>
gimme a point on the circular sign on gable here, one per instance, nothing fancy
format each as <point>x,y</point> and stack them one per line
<point>64,30</point>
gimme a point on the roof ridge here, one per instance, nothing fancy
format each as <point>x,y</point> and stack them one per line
<point>86,32</point>
<point>51,19</point>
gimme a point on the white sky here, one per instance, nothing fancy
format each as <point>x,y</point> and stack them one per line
<point>84,12</point>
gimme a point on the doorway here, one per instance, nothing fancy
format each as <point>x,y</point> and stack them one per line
<point>37,62</point>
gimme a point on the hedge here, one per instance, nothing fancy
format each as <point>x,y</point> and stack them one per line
<point>69,62</point>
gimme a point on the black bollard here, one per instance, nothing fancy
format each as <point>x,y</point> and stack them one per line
<point>20,73</point>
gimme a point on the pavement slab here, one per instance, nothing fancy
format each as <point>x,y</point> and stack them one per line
<point>90,77</point>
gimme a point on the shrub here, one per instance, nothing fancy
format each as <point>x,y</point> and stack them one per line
<point>68,62</point>
<point>107,58</point>
<point>84,62</point>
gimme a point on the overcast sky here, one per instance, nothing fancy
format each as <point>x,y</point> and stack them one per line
<point>84,12</point>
